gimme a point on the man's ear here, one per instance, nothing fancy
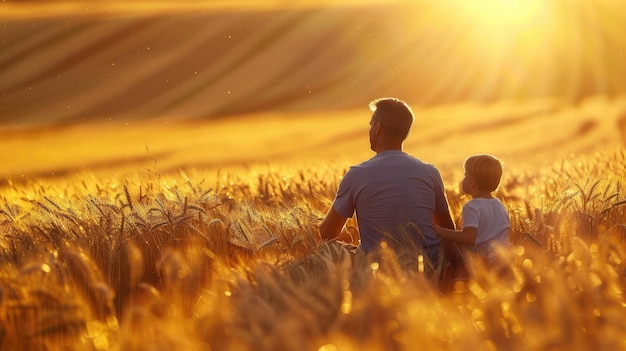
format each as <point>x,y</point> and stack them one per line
<point>379,127</point>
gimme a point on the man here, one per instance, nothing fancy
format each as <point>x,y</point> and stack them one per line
<point>396,196</point>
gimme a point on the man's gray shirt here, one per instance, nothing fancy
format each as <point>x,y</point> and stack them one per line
<point>393,193</point>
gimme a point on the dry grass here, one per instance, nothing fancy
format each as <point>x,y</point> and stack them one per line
<point>235,262</point>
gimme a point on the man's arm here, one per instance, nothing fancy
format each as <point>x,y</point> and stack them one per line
<point>332,224</point>
<point>444,220</point>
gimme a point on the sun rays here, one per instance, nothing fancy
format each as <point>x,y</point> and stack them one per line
<point>130,64</point>
<point>491,49</point>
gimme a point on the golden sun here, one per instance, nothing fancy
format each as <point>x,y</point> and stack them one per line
<point>507,48</point>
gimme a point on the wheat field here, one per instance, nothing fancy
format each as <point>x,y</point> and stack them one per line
<point>235,263</point>
<point>185,216</point>
<point>140,257</point>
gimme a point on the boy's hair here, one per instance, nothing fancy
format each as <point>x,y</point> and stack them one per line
<point>486,171</point>
<point>395,116</point>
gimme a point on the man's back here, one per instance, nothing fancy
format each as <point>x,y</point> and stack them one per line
<point>392,193</point>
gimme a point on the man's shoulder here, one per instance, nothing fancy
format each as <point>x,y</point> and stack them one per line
<point>412,159</point>
<point>371,162</point>
<point>364,168</point>
<point>426,167</point>
<point>389,159</point>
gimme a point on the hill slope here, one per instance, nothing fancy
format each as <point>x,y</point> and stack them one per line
<point>124,65</point>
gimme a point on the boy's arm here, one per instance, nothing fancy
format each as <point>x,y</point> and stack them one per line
<point>467,236</point>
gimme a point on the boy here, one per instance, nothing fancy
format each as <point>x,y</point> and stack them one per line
<point>485,219</point>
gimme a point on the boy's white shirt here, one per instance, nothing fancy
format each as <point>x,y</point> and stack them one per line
<point>491,219</point>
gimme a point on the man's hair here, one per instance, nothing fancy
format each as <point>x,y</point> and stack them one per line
<point>394,115</point>
<point>486,171</point>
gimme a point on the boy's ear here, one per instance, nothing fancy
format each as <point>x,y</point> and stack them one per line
<point>472,182</point>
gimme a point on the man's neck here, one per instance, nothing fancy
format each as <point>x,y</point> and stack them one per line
<point>383,148</point>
